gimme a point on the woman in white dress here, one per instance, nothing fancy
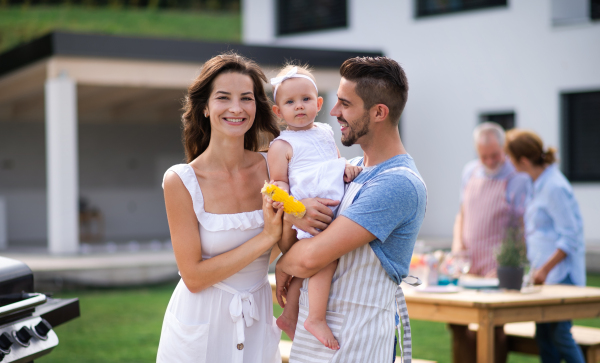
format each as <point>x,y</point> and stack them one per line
<point>223,231</point>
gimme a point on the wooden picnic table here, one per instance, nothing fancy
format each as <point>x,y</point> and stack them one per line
<point>545,303</point>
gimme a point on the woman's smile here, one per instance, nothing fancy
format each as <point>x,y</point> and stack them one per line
<point>234,120</point>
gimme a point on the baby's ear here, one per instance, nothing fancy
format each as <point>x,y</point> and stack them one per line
<point>319,103</point>
<point>277,111</point>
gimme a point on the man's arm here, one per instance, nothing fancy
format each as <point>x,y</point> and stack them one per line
<point>457,243</point>
<point>310,255</point>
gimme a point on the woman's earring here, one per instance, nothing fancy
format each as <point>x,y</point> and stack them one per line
<point>206,114</point>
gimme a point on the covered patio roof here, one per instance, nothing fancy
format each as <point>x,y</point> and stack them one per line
<point>132,79</point>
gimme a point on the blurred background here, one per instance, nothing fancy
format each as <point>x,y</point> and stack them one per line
<point>90,97</point>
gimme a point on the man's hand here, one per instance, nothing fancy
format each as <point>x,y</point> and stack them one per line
<point>351,172</point>
<point>318,215</point>
<point>282,283</point>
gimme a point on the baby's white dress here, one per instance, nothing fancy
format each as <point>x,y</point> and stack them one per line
<point>315,170</point>
<point>210,326</point>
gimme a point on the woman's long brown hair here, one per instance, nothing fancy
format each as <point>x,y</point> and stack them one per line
<point>196,127</point>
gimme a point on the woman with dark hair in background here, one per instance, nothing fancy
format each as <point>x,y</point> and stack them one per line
<point>223,231</point>
<point>554,235</point>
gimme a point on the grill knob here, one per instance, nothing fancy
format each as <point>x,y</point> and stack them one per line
<point>43,328</point>
<point>23,335</point>
<point>5,343</point>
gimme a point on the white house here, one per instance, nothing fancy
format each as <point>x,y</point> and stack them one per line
<point>532,63</point>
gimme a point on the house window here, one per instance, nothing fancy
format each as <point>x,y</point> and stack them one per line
<point>595,9</point>
<point>437,7</point>
<point>581,128</point>
<point>565,12</point>
<point>300,16</point>
<point>505,119</point>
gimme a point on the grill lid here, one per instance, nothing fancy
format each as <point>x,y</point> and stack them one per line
<point>15,277</point>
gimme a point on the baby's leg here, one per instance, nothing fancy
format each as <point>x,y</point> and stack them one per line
<point>318,294</point>
<point>288,319</point>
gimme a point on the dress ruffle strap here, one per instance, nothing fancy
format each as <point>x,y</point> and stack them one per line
<point>214,222</point>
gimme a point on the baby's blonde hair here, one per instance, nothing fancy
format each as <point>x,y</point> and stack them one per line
<point>302,69</point>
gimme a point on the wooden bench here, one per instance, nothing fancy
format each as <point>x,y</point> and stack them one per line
<point>285,347</point>
<point>520,338</point>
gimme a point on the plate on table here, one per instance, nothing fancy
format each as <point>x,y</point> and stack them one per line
<point>478,282</point>
<point>436,289</point>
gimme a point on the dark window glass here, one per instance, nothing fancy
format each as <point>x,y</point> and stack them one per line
<point>437,7</point>
<point>506,120</point>
<point>307,15</point>
<point>595,9</point>
<point>581,135</point>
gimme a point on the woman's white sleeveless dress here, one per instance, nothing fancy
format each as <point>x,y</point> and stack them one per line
<point>231,321</point>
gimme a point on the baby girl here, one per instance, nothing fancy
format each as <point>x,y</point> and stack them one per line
<point>304,161</point>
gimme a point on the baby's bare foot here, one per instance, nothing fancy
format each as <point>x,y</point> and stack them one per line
<point>321,331</point>
<point>287,325</point>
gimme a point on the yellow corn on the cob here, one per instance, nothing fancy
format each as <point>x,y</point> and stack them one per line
<point>290,204</point>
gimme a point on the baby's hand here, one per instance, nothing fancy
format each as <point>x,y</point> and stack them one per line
<point>351,172</point>
<point>283,185</point>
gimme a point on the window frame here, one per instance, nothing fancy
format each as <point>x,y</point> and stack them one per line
<point>420,14</point>
<point>484,114</point>
<point>279,14</point>
<point>566,142</point>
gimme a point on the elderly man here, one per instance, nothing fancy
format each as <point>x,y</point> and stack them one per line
<point>492,199</point>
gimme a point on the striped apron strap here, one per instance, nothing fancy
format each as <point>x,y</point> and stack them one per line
<point>242,309</point>
<point>402,310</point>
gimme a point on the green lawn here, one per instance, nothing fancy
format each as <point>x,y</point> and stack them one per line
<point>124,326</point>
<point>19,24</point>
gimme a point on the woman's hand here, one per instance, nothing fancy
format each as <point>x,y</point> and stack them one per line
<point>318,215</point>
<point>273,219</point>
<point>539,277</point>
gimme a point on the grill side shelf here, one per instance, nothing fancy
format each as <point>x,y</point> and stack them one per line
<point>58,311</point>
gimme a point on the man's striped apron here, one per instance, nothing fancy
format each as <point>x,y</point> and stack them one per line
<point>362,304</point>
<point>486,216</point>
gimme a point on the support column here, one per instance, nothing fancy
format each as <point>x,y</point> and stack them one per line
<point>348,152</point>
<point>61,165</point>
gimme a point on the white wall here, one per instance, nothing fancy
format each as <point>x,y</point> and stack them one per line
<point>460,65</point>
<point>120,173</point>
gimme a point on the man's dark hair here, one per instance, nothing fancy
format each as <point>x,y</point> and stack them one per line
<point>378,80</point>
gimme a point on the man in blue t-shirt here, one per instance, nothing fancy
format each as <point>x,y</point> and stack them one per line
<point>377,226</point>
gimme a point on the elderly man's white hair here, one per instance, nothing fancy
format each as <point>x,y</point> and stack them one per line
<point>484,132</point>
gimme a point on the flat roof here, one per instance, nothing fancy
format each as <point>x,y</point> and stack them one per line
<point>162,49</point>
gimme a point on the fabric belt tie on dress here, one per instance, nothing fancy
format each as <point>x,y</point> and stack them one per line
<point>242,309</point>
<point>402,310</point>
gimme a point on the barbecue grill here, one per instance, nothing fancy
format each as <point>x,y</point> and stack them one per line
<point>27,318</point>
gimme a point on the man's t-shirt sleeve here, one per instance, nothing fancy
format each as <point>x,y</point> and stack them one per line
<point>384,204</point>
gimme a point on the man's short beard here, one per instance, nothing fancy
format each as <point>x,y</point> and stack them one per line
<point>362,128</point>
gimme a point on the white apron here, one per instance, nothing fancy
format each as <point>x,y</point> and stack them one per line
<point>362,304</point>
